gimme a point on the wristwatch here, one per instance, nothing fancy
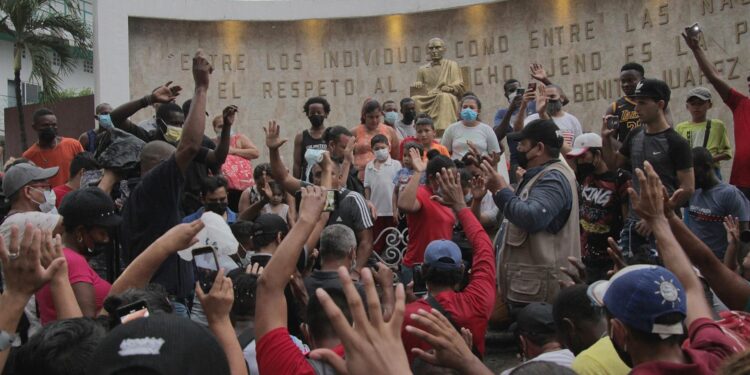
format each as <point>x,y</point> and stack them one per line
<point>6,340</point>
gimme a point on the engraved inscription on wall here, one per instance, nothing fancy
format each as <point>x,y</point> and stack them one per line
<point>269,69</point>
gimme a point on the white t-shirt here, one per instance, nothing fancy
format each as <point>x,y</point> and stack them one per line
<point>380,182</point>
<point>457,136</point>
<point>568,124</point>
<point>563,357</point>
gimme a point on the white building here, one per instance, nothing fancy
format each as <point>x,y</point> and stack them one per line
<point>81,77</point>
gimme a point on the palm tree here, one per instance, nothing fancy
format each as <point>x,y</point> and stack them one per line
<point>38,28</point>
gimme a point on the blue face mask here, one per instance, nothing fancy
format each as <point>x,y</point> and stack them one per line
<point>105,121</point>
<point>468,114</point>
<point>390,118</point>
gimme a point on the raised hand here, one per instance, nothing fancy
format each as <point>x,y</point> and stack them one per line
<point>218,302</point>
<point>649,204</point>
<point>313,201</point>
<point>202,69</point>
<point>349,149</point>
<point>21,264</point>
<point>416,160</point>
<point>576,277</point>
<point>373,346</point>
<point>229,114</point>
<point>449,346</point>
<point>692,39</point>
<point>606,131</point>
<point>493,179</point>
<point>452,194</point>
<point>538,72</point>
<point>273,137</point>
<point>478,187</point>
<point>181,236</point>
<point>541,99</point>
<point>165,93</point>
<point>615,253</point>
<point>732,226</point>
<point>254,269</point>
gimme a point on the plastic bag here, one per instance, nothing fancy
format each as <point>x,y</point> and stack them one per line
<point>119,150</point>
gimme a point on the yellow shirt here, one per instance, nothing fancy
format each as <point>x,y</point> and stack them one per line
<point>718,140</point>
<point>600,359</point>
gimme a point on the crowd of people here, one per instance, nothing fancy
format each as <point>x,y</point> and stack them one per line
<point>151,248</point>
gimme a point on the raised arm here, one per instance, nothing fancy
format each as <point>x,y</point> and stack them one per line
<point>278,169</point>
<point>270,312</point>
<point>649,205</point>
<point>63,297</point>
<point>407,199</point>
<point>144,266</point>
<point>121,115</point>
<point>611,147</point>
<point>195,123</point>
<point>708,69</point>
<point>299,155</point>
<point>528,96</point>
<point>215,158</point>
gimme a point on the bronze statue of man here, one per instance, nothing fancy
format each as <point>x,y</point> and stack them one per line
<point>443,85</point>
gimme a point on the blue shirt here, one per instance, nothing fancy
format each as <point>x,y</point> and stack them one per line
<point>707,210</point>
<point>231,216</point>
<point>500,114</point>
<point>547,206</point>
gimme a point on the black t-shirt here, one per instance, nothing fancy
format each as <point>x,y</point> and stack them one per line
<point>150,211</point>
<point>352,211</point>
<point>310,143</point>
<point>667,151</point>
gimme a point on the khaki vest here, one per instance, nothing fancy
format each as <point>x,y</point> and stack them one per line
<point>530,264</point>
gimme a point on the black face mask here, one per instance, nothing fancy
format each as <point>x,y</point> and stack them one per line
<point>47,135</point>
<point>409,117</point>
<point>316,120</point>
<point>99,248</point>
<point>624,356</point>
<point>584,169</point>
<point>554,107</point>
<point>218,208</point>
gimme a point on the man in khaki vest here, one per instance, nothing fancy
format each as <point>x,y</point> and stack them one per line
<point>543,226</point>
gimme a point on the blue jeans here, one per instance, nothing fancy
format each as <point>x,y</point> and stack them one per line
<point>180,306</point>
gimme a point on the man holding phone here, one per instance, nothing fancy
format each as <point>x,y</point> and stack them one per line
<point>505,117</point>
<point>350,207</point>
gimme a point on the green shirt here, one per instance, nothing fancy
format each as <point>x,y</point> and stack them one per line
<point>695,133</point>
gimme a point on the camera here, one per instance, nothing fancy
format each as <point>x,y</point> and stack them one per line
<point>613,122</point>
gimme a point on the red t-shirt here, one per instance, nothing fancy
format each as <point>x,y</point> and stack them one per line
<point>277,354</point>
<point>432,222</point>
<point>60,156</point>
<point>740,106</point>
<point>706,349</point>
<point>472,307</point>
<point>79,271</point>
<point>60,192</point>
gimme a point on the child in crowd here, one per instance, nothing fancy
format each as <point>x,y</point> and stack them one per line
<point>379,186</point>
<point>702,131</point>
<point>426,136</point>
<point>277,206</point>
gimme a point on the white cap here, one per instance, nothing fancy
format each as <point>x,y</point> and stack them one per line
<point>583,142</point>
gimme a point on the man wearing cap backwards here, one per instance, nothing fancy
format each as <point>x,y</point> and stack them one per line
<point>648,307</point>
<point>657,143</point>
<point>603,203</point>
<point>701,131</point>
<point>50,150</point>
<point>535,328</point>
<point>740,106</point>
<point>543,226</point>
<point>443,270</point>
<point>153,206</point>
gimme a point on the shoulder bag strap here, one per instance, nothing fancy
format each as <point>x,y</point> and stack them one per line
<point>708,132</point>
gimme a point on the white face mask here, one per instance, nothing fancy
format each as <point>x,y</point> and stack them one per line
<point>48,206</point>
<point>382,154</point>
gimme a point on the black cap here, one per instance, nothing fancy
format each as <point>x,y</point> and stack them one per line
<point>269,224</point>
<point>545,131</point>
<point>535,319</point>
<point>652,88</point>
<point>163,343</point>
<point>89,207</point>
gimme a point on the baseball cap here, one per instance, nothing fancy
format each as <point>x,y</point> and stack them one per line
<point>535,319</point>
<point>701,93</point>
<point>269,224</point>
<point>652,88</point>
<point>545,131</point>
<point>89,207</point>
<point>583,142</point>
<point>163,343</point>
<point>640,294</point>
<point>443,254</point>
<point>22,174</point>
